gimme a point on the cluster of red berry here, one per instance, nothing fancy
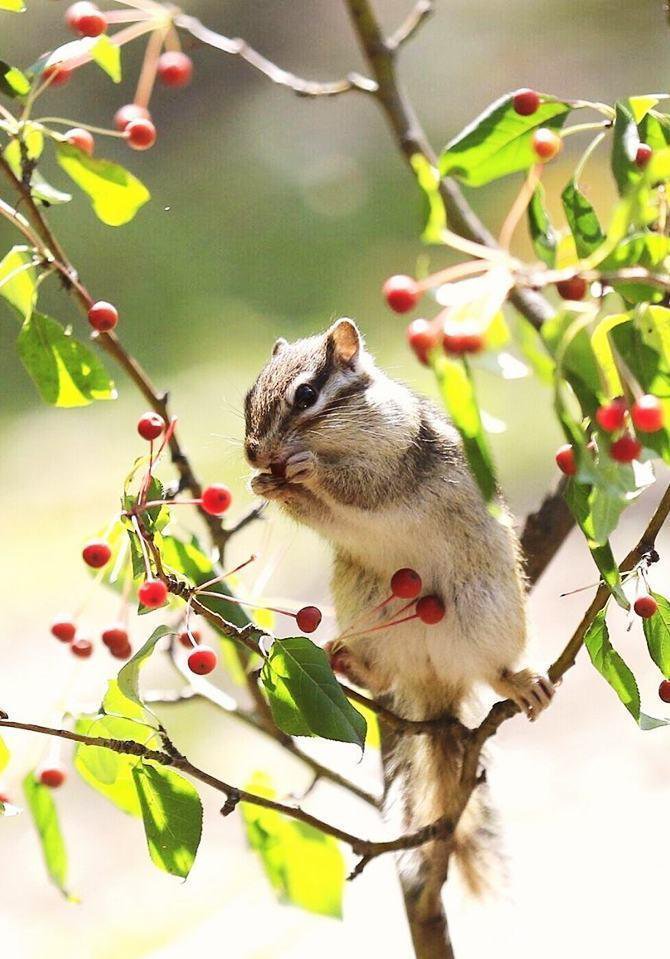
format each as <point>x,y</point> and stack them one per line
<point>645,414</point>
<point>114,637</point>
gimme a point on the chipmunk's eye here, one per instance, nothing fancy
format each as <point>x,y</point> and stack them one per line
<point>305,396</point>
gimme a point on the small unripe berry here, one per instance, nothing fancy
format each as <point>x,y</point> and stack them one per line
<point>546,144</point>
<point>82,648</point>
<point>612,416</point>
<point>96,554</point>
<point>150,425</point>
<point>202,660</point>
<point>402,293</point>
<point>461,338</point>
<point>129,112</point>
<point>406,583</point>
<point>664,691</point>
<point>188,640</point>
<point>82,139</point>
<point>645,606</point>
<point>103,316</point>
<point>526,101</point>
<point>308,618</point>
<point>140,134</point>
<point>174,68</point>
<point>216,499</point>
<point>565,460</point>
<point>422,337</point>
<point>115,637</point>
<point>84,17</point>
<point>647,413</point>
<point>625,449</point>
<point>52,776</point>
<point>430,610</point>
<point>153,593</point>
<point>643,155</point>
<point>575,288</point>
<point>57,75</point>
<point>64,630</point>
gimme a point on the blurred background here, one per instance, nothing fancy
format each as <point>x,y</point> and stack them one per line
<point>271,215</point>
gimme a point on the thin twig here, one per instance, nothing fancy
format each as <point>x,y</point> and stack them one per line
<point>415,19</point>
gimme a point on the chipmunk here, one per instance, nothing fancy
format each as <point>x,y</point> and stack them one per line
<point>380,473</point>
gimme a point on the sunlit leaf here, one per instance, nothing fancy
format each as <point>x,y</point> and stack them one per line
<point>428,178</point>
<point>172,816</point>
<point>18,280</point>
<point>43,811</point>
<point>624,147</point>
<point>108,57</point>
<point>305,698</point>
<point>14,6</point>
<point>304,866</point>
<point>648,250</point>
<point>115,193</point>
<point>533,349</point>
<point>108,772</point>
<point>4,755</point>
<point>542,232</point>
<point>657,633</point>
<point>641,105</point>
<point>611,666</point>
<point>65,372</point>
<point>498,141</point>
<point>13,83</point>
<point>129,676</point>
<point>577,496</point>
<point>582,220</point>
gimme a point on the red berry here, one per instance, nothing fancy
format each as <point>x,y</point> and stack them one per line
<point>422,337</point>
<point>4,799</point>
<point>575,288</point>
<point>103,316</point>
<point>202,660</point>
<point>57,75</point>
<point>647,413</point>
<point>150,425</point>
<point>140,134</point>
<point>82,648</point>
<point>546,144</point>
<point>460,338</point>
<point>664,690</point>
<point>406,583</point>
<point>526,102</point>
<point>612,416</point>
<point>96,554</point>
<point>187,641</point>
<point>216,499</point>
<point>122,652</point>
<point>402,293</point>
<point>126,114</point>
<point>625,449</point>
<point>565,460</point>
<point>64,630</point>
<point>430,609</point>
<point>174,68</point>
<point>643,155</point>
<point>85,18</point>
<point>152,593</point>
<point>645,606</point>
<point>115,637</point>
<point>83,139</point>
<point>51,776</point>
<point>308,618</point>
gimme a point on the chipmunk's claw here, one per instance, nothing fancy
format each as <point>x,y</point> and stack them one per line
<point>531,693</point>
<point>300,467</point>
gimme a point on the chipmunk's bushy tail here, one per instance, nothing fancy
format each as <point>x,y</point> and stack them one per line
<point>422,774</point>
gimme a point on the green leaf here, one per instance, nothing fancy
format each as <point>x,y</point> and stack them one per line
<point>577,496</point>
<point>458,394</point>
<point>108,772</point>
<point>606,509</point>
<point>18,280</point>
<point>305,696</point>
<point>568,340</point>
<point>657,634</point>
<point>13,83</point>
<point>14,6</point>
<point>129,676</point>
<point>33,143</point>
<point>115,193</point>
<point>611,666</point>
<point>304,866</point>
<point>624,147</point>
<point>172,816</point>
<point>654,132</point>
<point>43,811</point>
<point>542,232</point>
<point>108,57</point>
<point>66,372</point>
<point>4,755</point>
<point>641,105</point>
<point>428,178</point>
<point>498,141</point>
<point>533,350</point>
<point>582,220</point>
<point>648,250</point>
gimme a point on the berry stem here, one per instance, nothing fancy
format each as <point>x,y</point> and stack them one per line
<point>224,576</point>
<point>519,206</point>
<point>452,273</point>
<point>147,78</point>
<point>384,625</point>
<point>145,555</point>
<point>244,602</point>
<point>103,131</point>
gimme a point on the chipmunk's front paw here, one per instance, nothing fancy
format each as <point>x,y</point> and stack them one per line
<point>531,693</point>
<point>301,467</point>
<point>268,486</point>
<point>344,663</point>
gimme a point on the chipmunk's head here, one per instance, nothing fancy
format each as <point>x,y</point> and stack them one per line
<point>302,395</point>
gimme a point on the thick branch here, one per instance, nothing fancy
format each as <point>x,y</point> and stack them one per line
<point>544,533</point>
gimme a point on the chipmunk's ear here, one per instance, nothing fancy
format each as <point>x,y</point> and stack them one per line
<point>345,341</point>
<point>279,345</point>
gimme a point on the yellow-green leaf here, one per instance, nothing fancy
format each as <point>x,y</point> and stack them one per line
<point>17,279</point>
<point>108,57</point>
<point>428,178</point>
<point>115,193</point>
<point>14,6</point>
<point>4,755</point>
<point>43,810</point>
<point>172,816</point>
